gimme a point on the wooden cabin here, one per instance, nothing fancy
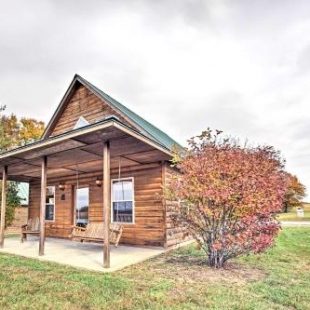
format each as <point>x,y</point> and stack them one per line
<point>97,158</point>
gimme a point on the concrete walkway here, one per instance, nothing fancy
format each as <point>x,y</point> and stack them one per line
<point>81,255</point>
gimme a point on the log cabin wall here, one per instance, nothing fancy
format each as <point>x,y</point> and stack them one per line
<point>20,218</point>
<point>174,235</point>
<point>84,103</point>
<point>63,218</point>
<point>148,228</point>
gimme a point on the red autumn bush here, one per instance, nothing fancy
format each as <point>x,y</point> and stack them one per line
<point>231,193</point>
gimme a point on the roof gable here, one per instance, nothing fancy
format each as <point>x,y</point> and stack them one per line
<point>127,116</point>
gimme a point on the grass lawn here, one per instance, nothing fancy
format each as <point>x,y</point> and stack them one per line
<point>278,279</point>
<point>292,214</point>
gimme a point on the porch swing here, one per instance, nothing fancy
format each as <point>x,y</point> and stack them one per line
<point>94,231</point>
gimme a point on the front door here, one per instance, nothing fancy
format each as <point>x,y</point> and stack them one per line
<point>82,206</point>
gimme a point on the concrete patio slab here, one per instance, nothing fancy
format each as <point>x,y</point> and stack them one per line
<point>80,255</point>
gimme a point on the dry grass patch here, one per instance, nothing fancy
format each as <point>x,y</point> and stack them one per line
<point>187,265</point>
<point>193,269</point>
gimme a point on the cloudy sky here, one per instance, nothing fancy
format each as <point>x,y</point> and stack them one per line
<point>184,65</point>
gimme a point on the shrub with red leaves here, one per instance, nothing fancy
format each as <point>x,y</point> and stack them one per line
<point>231,193</point>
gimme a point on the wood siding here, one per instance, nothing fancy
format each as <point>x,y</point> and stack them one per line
<point>174,235</point>
<point>61,226</point>
<point>148,228</point>
<point>21,217</point>
<point>84,103</point>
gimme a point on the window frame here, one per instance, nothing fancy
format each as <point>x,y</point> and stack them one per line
<point>53,204</point>
<point>133,200</point>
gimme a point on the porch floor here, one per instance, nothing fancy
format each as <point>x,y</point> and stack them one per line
<point>80,255</point>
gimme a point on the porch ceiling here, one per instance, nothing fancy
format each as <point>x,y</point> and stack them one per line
<point>82,150</point>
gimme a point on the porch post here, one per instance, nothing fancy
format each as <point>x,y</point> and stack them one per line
<point>106,203</point>
<point>42,207</point>
<point>3,205</point>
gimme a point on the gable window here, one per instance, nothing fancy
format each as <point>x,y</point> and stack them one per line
<point>50,203</point>
<point>123,200</point>
<point>81,123</point>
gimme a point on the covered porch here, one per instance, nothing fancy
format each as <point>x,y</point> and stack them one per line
<point>78,158</point>
<point>79,255</point>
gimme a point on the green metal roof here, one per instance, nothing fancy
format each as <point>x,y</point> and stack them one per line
<point>150,130</point>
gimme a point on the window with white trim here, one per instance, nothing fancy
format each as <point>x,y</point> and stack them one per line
<point>123,200</point>
<point>50,203</point>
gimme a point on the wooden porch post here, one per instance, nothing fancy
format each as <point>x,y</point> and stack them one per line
<point>3,205</point>
<point>42,207</point>
<point>106,203</point>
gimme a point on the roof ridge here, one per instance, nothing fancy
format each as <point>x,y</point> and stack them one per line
<point>153,131</point>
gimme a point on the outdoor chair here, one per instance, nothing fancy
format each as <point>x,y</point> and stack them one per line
<point>94,232</point>
<point>31,228</point>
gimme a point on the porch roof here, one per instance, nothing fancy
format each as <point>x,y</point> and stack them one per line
<point>82,147</point>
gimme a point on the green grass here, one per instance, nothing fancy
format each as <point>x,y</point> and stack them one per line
<point>278,279</point>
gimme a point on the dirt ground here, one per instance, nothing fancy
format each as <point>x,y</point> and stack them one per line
<point>188,269</point>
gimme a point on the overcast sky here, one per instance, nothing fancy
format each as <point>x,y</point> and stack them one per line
<point>184,65</point>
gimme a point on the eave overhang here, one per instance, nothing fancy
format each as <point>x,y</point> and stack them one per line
<point>65,148</point>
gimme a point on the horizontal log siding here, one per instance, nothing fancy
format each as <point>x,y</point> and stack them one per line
<point>148,228</point>
<point>61,226</point>
<point>174,235</point>
<point>20,218</point>
<point>83,103</point>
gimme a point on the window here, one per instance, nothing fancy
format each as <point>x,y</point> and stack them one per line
<point>82,203</point>
<point>122,200</point>
<point>50,203</point>
<point>23,193</point>
<point>81,123</point>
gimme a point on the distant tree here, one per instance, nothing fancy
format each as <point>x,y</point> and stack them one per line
<point>30,130</point>
<point>7,130</point>
<point>12,201</point>
<point>16,132</point>
<point>229,193</point>
<point>294,194</point>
